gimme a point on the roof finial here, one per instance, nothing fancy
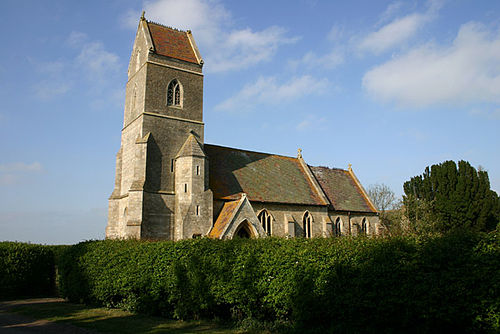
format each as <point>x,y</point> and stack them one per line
<point>349,167</point>
<point>299,153</point>
<point>142,15</point>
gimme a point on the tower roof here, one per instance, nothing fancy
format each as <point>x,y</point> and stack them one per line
<point>173,43</point>
<point>191,147</point>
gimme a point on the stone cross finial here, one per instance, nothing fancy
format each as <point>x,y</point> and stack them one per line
<point>142,15</point>
<point>299,153</point>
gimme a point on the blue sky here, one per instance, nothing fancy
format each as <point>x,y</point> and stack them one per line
<point>388,86</point>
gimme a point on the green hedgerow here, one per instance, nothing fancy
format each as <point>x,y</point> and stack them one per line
<point>399,284</point>
<point>26,270</point>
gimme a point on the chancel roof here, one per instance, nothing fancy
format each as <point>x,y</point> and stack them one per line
<point>263,177</point>
<point>342,190</point>
<point>172,43</point>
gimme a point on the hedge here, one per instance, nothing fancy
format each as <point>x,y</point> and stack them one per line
<point>26,270</point>
<point>403,284</point>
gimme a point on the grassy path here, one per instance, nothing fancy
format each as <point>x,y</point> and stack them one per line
<point>102,320</point>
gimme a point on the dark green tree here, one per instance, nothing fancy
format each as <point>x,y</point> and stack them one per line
<point>456,196</point>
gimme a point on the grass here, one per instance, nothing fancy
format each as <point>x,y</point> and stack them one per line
<point>117,321</point>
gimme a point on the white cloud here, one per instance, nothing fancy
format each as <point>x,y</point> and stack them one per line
<point>311,122</point>
<point>266,90</point>
<point>223,48</point>
<point>11,173</point>
<point>20,167</point>
<point>466,71</point>
<point>93,62</point>
<point>311,60</point>
<point>397,31</point>
<point>76,39</point>
<point>96,61</point>
<point>49,89</point>
<point>336,33</point>
<point>392,34</point>
<point>390,11</point>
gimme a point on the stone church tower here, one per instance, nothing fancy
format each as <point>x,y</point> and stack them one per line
<point>171,185</point>
<point>161,186</point>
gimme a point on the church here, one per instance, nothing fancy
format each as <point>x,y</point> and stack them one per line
<point>171,185</point>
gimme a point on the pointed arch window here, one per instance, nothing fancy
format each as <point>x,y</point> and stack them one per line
<point>337,230</point>
<point>364,227</point>
<point>306,224</point>
<point>174,93</point>
<point>265,220</point>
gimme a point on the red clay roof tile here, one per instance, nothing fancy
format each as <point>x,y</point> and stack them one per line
<point>172,43</point>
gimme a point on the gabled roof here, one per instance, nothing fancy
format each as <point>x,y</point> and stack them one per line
<point>342,190</point>
<point>172,43</point>
<point>263,177</point>
<point>191,147</point>
<point>224,218</point>
<point>232,215</point>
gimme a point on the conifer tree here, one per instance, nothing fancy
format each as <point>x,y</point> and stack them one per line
<point>457,197</point>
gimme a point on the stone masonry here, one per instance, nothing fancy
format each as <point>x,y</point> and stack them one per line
<point>170,185</point>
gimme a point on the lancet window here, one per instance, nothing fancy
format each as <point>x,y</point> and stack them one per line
<point>265,220</point>
<point>337,229</point>
<point>364,227</point>
<point>306,224</point>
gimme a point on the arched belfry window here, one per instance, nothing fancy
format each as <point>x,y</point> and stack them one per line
<point>265,220</point>
<point>174,93</point>
<point>338,227</point>
<point>306,224</point>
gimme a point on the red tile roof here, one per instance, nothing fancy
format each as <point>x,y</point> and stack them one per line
<point>341,189</point>
<point>263,177</point>
<point>172,43</point>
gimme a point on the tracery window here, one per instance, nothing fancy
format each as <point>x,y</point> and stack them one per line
<point>306,224</point>
<point>174,93</point>
<point>265,220</point>
<point>337,228</point>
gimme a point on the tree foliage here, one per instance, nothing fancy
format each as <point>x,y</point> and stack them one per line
<point>385,200</point>
<point>382,196</point>
<point>451,197</point>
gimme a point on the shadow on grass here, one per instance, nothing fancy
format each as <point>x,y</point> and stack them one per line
<point>113,321</point>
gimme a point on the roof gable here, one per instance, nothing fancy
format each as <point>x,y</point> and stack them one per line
<point>172,43</point>
<point>233,214</point>
<point>263,177</point>
<point>341,189</point>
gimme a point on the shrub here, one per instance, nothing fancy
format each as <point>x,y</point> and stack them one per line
<point>25,270</point>
<point>399,284</point>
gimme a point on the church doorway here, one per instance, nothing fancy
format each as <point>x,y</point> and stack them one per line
<point>244,231</point>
